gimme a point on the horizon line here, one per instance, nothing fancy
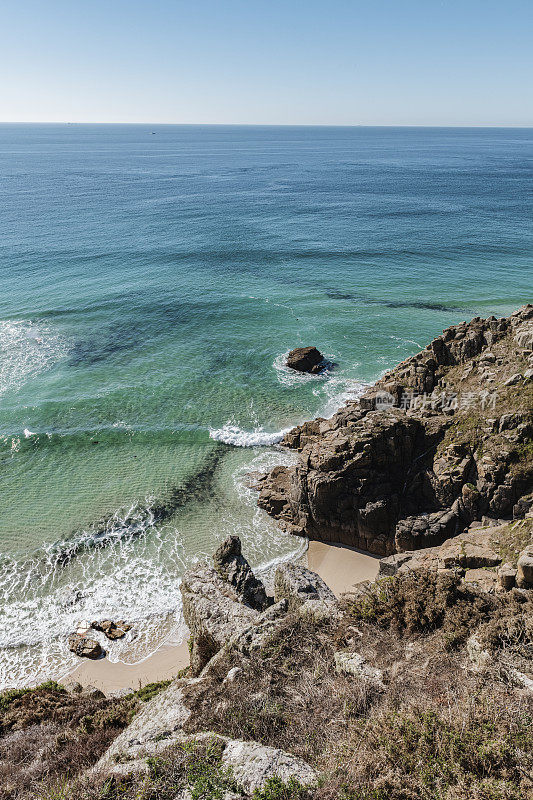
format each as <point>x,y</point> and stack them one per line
<point>268,124</point>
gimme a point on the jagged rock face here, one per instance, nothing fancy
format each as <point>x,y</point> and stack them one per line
<point>213,613</point>
<point>476,554</point>
<point>392,476</point>
<point>234,568</point>
<point>301,587</point>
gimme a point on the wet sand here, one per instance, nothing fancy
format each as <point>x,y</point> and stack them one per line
<point>339,566</point>
<point>109,676</point>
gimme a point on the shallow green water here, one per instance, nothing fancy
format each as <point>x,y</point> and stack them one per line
<point>150,287</point>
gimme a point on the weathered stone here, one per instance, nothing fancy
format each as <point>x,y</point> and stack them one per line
<point>93,692</point>
<point>213,613</point>
<point>514,379</point>
<point>113,630</point>
<point>484,579</point>
<point>426,530</point>
<point>507,576</point>
<point>390,565</point>
<point>479,657</point>
<point>469,552</point>
<point>524,575</point>
<point>305,359</point>
<point>253,765</point>
<point>156,725</point>
<point>84,647</point>
<point>254,636</point>
<point>299,585</point>
<point>354,664</point>
<point>231,565</point>
<point>73,687</point>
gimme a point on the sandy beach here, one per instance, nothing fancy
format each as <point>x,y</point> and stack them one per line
<point>339,566</point>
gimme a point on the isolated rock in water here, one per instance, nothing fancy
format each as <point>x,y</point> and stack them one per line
<point>524,577</point>
<point>113,630</point>
<point>232,567</point>
<point>253,765</point>
<point>305,359</point>
<point>300,586</point>
<point>213,613</point>
<point>84,647</point>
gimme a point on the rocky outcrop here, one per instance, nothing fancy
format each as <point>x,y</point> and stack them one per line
<point>84,647</point>
<point>213,612</point>
<point>155,727</point>
<point>442,440</point>
<point>233,568</point>
<point>304,590</point>
<point>306,359</point>
<point>478,555</point>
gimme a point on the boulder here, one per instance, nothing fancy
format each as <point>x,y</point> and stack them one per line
<point>524,575</point>
<point>113,630</point>
<point>84,647</point>
<point>232,567</point>
<point>253,765</point>
<point>507,576</point>
<point>300,586</point>
<point>213,613</point>
<point>305,359</point>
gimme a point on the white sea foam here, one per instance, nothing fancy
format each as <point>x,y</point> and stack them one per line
<point>232,434</point>
<point>337,392</point>
<point>133,573</point>
<point>27,349</point>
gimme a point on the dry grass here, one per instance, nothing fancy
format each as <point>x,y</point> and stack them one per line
<point>440,730</point>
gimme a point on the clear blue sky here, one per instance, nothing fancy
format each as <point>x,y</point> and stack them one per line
<point>370,62</point>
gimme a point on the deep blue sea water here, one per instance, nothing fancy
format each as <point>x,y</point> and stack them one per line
<point>152,277</point>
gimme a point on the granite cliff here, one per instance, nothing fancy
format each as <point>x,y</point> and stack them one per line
<point>438,443</point>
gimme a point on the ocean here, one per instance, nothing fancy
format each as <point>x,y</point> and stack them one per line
<point>152,280</point>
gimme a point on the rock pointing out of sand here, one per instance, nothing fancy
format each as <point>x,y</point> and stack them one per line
<point>306,359</point>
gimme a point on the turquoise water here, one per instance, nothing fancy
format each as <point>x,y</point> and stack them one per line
<point>152,279</point>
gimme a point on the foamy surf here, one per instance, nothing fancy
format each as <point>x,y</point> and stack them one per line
<point>233,435</point>
<point>27,349</point>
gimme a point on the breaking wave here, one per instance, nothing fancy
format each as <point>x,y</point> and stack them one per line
<point>27,349</point>
<point>232,434</point>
